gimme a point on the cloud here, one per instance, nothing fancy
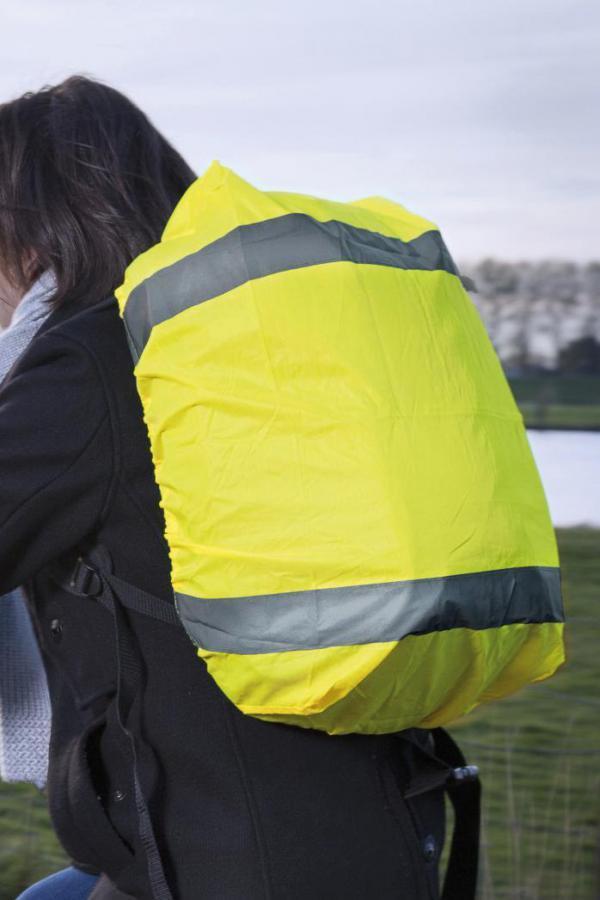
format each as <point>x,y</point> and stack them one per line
<point>481,116</point>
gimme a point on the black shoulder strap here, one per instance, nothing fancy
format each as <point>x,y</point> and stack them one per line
<point>442,765</point>
<point>464,790</point>
<point>91,580</point>
<point>92,577</point>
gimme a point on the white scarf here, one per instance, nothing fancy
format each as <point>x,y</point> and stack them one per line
<point>24,700</point>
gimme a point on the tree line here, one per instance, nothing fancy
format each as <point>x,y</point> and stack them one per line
<point>541,316</point>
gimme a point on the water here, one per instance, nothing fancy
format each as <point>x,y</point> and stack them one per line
<point>569,463</point>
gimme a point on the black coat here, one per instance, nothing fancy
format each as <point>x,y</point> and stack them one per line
<point>243,809</point>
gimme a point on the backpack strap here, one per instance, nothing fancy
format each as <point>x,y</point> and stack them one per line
<point>87,580</point>
<point>93,578</point>
<point>442,765</point>
<point>464,791</point>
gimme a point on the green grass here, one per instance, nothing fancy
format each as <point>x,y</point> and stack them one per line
<point>581,390</point>
<point>28,848</point>
<point>561,416</point>
<point>559,401</point>
<point>539,754</point>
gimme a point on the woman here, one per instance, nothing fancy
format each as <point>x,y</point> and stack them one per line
<point>188,798</point>
<point>24,700</point>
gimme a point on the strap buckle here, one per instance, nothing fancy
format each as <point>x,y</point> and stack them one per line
<point>464,774</point>
<point>85,580</point>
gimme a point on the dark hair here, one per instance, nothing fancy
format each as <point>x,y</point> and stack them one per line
<point>86,184</point>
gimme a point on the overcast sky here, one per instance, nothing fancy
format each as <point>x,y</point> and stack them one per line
<point>482,115</point>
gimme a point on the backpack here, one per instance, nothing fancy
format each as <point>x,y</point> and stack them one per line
<point>358,535</point>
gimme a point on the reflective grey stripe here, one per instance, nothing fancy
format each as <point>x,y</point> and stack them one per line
<point>364,614</point>
<point>275,245</point>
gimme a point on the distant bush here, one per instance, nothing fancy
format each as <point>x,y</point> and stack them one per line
<point>581,356</point>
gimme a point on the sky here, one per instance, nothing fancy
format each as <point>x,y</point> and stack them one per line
<point>482,115</point>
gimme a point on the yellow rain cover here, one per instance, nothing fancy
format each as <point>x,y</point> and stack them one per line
<point>359,537</point>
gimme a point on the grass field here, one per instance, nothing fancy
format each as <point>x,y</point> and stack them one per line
<point>559,401</point>
<point>561,417</point>
<point>539,753</point>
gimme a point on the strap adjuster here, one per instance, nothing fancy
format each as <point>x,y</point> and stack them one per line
<point>85,580</point>
<point>464,774</point>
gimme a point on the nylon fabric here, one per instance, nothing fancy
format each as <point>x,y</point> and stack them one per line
<point>254,251</point>
<point>220,201</point>
<point>327,425</point>
<point>343,690</point>
<point>372,613</point>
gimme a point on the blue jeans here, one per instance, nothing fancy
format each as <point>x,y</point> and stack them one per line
<point>68,884</point>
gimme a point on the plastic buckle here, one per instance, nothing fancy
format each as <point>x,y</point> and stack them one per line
<point>465,774</point>
<point>85,580</point>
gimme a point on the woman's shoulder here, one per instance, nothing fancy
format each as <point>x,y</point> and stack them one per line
<point>57,444</point>
<point>92,338</point>
<point>76,353</point>
<point>92,327</point>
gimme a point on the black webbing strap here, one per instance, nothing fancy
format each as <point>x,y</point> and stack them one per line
<point>94,581</point>
<point>89,579</point>
<point>442,764</point>
<point>464,790</point>
<point>141,602</point>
